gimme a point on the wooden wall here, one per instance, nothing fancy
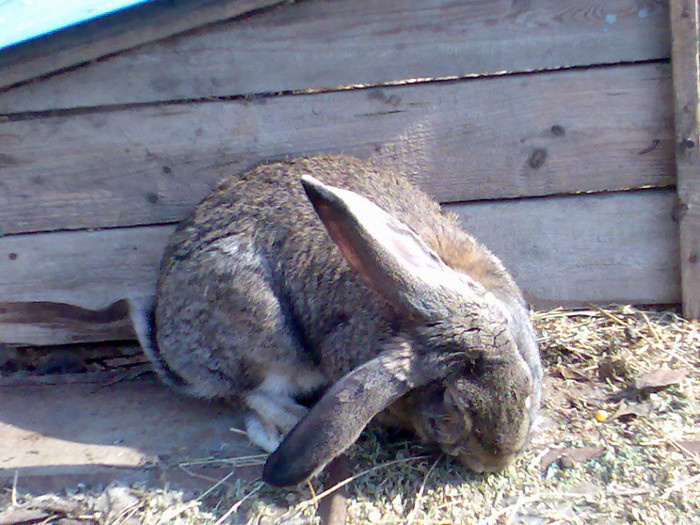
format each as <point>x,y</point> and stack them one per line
<point>686,81</point>
<point>546,125</point>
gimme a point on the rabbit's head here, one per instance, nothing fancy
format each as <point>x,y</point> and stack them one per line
<point>462,371</point>
<point>474,414</point>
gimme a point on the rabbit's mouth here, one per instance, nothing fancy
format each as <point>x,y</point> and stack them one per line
<point>479,458</point>
<point>486,463</point>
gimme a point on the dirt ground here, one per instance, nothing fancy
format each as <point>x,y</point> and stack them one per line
<point>618,442</point>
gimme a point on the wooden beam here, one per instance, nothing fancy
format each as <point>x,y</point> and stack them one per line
<point>113,33</point>
<point>600,129</point>
<point>330,43</point>
<point>684,24</point>
<point>65,287</point>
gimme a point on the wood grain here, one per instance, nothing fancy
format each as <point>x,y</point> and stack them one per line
<point>324,44</point>
<point>613,248</point>
<point>619,247</point>
<point>684,20</point>
<point>114,33</point>
<point>571,131</point>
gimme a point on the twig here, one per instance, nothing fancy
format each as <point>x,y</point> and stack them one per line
<point>215,485</point>
<point>236,505</point>
<point>126,514</point>
<point>170,514</point>
<point>537,460</point>
<point>626,324</point>
<point>680,485</point>
<point>251,460</point>
<point>493,518</point>
<point>630,492</point>
<point>312,491</point>
<point>419,496</point>
<point>320,496</point>
<point>610,315</point>
<point>652,329</point>
<point>515,508</point>
<point>505,510</point>
<point>198,476</point>
<point>13,497</point>
<point>238,431</point>
<point>674,443</point>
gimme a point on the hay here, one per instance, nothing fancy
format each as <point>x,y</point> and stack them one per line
<point>609,449</point>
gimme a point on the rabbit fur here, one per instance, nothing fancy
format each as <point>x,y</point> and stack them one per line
<point>362,290</point>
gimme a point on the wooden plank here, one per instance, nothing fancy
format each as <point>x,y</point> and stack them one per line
<point>611,248</point>
<point>684,20</point>
<point>617,247</point>
<point>598,129</point>
<point>329,43</point>
<point>67,286</point>
<point>114,33</point>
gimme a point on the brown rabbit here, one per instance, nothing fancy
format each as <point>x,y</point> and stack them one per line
<point>391,308</point>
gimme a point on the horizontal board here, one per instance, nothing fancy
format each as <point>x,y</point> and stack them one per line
<point>611,248</point>
<point>66,287</point>
<point>571,131</point>
<point>119,31</point>
<point>620,247</point>
<point>329,43</point>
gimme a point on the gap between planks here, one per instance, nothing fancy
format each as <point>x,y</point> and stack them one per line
<point>562,251</point>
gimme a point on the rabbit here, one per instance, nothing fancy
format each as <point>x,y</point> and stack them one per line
<point>330,276</point>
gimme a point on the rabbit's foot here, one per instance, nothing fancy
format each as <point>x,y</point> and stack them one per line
<point>271,418</point>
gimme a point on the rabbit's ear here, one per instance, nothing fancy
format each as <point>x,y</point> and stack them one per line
<point>390,256</point>
<point>336,421</point>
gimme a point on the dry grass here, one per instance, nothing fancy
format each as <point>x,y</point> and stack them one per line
<point>606,451</point>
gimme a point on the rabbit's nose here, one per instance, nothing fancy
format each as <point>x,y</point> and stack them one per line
<point>484,461</point>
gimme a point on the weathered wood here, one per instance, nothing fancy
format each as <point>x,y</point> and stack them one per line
<point>66,287</point>
<point>684,21</point>
<point>37,322</point>
<point>614,248</point>
<point>619,247</point>
<point>80,268</point>
<point>323,44</point>
<point>114,33</point>
<point>563,132</point>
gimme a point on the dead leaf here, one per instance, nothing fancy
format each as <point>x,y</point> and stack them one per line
<point>578,454</point>
<point>660,378</point>
<point>582,394</point>
<point>569,373</point>
<point>583,454</point>
<point>21,516</point>
<point>692,446</point>
<point>550,457</point>
<point>626,410</point>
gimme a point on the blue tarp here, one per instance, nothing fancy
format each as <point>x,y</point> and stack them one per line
<point>22,20</point>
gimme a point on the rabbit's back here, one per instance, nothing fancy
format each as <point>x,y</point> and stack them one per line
<point>264,212</point>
